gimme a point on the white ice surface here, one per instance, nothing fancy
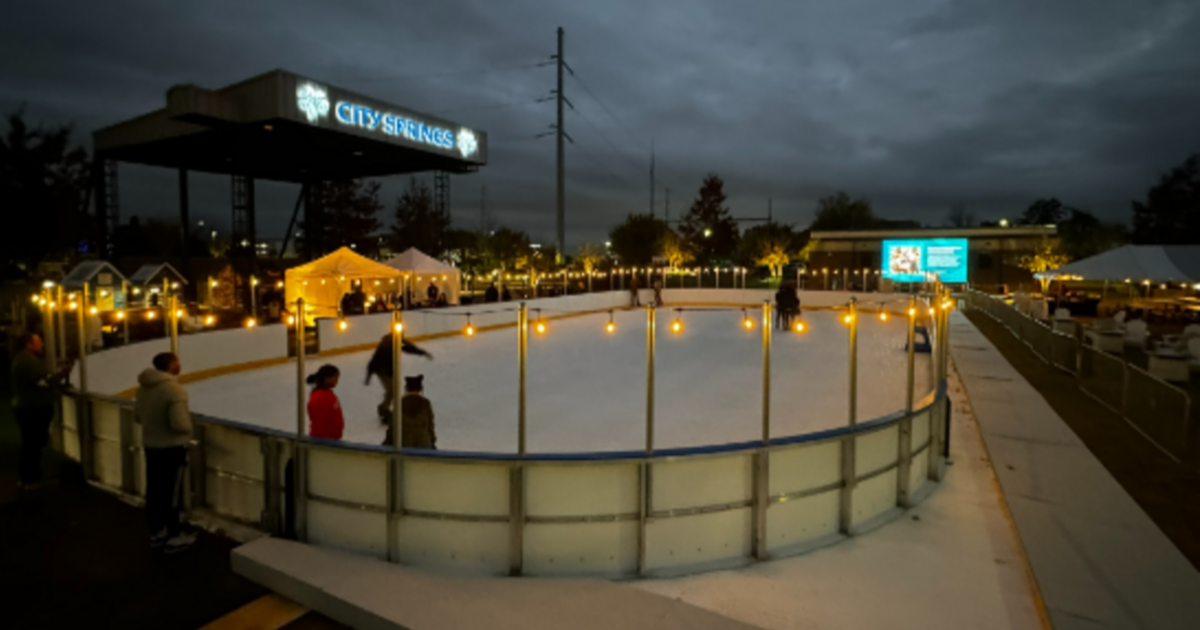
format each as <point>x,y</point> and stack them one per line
<point>587,389</point>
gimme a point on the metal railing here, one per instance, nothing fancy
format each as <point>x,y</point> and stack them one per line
<point>1157,409</point>
<point>643,513</point>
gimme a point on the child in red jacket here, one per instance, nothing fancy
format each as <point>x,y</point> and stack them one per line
<point>324,410</point>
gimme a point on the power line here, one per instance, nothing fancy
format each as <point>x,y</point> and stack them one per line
<point>443,75</point>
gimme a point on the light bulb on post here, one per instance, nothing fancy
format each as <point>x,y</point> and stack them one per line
<point>848,318</point>
<point>251,323</point>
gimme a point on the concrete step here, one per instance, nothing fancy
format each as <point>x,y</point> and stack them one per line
<point>368,594</point>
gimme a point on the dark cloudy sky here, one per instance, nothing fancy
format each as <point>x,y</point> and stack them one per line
<point>915,105</point>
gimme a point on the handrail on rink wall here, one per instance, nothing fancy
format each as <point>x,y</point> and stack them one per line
<point>609,514</point>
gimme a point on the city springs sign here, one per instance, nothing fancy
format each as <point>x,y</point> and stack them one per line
<point>313,102</point>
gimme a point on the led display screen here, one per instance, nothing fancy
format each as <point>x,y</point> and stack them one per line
<point>922,260</point>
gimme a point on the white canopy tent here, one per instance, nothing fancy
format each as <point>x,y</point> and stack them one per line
<point>324,281</point>
<point>421,269</point>
<point>1136,263</point>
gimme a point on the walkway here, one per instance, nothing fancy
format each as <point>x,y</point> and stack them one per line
<point>1099,560</point>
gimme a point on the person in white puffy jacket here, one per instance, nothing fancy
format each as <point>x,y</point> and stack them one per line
<point>161,408</point>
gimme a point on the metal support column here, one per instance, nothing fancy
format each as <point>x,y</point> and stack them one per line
<point>650,349</point>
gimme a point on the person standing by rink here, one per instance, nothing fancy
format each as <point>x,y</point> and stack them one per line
<point>325,418</point>
<point>161,408</point>
<point>416,417</point>
<point>33,405</point>
<point>658,293</point>
<point>381,365</point>
<point>633,291</point>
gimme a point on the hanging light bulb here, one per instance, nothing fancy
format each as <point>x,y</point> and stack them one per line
<point>291,320</point>
<point>251,323</point>
<point>931,310</point>
<point>94,310</point>
<point>179,314</point>
<point>342,325</point>
<point>540,327</point>
<point>120,314</point>
<point>883,316</point>
<point>677,326</point>
<point>469,330</point>
<point>912,312</point>
<point>848,318</point>
<point>798,326</point>
<point>747,321</point>
<point>150,314</point>
<point>74,305</point>
<point>210,320</point>
<point>611,326</point>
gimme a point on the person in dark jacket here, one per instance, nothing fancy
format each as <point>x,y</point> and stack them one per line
<point>787,303</point>
<point>492,294</point>
<point>33,405</point>
<point>380,365</point>
<point>633,291</point>
<point>432,293</point>
<point>416,417</point>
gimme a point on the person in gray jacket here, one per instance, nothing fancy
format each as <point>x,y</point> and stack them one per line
<point>162,410</point>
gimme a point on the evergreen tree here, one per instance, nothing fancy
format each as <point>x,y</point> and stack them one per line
<point>1171,213</point>
<point>418,223</point>
<point>707,226</point>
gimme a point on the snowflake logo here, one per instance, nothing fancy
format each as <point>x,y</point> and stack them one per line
<point>313,101</point>
<point>467,145</point>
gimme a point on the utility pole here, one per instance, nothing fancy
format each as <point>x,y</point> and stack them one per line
<point>651,178</point>
<point>560,134</point>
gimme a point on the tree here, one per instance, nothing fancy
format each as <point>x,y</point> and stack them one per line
<point>589,256</point>
<point>707,226</point>
<point>505,247</point>
<point>43,185</point>
<point>677,251</point>
<point>1047,255</point>
<point>960,217</point>
<point>635,241</point>
<point>466,249</point>
<point>838,212</point>
<point>349,216</point>
<point>1083,235</point>
<point>1171,213</point>
<point>772,246</point>
<point>1044,212</point>
<point>418,223</point>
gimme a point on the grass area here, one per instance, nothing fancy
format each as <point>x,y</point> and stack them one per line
<point>1168,491</point>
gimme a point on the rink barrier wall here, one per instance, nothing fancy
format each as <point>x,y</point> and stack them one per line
<point>624,514</point>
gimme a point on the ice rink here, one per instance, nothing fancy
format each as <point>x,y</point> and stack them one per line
<point>586,389</point>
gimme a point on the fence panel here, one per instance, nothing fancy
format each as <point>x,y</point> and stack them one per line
<point>1063,352</point>
<point>1102,376</point>
<point>1159,410</point>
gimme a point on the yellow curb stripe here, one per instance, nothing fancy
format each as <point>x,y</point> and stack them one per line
<point>269,612</point>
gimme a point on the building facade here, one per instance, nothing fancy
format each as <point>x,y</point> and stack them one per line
<point>993,253</point>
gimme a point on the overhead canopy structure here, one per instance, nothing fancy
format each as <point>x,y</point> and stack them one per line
<point>1136,263</point>
<point>423,269</point>
<point>324,281</point>
<point>283,127</point>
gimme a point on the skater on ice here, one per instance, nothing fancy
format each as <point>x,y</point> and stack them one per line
<point>381,365</point>
<point>324,410</point>
<point>416,417</point>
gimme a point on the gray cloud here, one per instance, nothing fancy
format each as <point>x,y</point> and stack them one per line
<point>915,106</point>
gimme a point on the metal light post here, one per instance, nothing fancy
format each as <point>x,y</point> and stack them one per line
<point>397,376</point>
<point>912,328</point>
<point>522,355</point>
<point>300,375</point>
<point>172,320</point>
<point>125,310</point>
<point>853,323</point>
<point>650,347</point>
<point>766,371</point>
<point>81,333</point>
